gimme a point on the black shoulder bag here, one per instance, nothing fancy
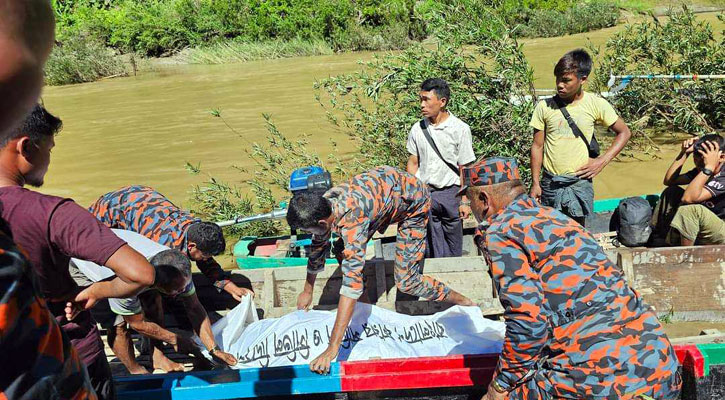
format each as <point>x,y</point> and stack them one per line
<point>593,147</point>
<point>424,127</point>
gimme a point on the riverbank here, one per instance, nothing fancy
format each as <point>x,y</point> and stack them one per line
<point>209,32</point>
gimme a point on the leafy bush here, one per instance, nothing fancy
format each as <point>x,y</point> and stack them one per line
<point>159,27</point>
<point>526,19</point>
<point>378,105</point>
<point>81,60</point>
<point>578,18</point>
<point>275,160</point>
<point>679,45</point>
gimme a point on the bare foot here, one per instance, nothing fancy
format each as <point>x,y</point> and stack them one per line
<point>162,362</point>
<point>457,298</point>
<point>137,370</point>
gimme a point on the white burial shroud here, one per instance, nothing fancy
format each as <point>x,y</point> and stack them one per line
<point>373,333</point>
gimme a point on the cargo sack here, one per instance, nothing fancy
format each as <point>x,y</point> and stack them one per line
<point>634,221</point>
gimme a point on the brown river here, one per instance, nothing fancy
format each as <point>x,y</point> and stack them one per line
<point>143,129</point>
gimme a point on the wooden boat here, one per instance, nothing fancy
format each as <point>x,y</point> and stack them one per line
<point>680,283</point>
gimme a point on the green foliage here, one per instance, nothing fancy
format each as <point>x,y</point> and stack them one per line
<point>533,18</point>
<point>274,162</point>
<point>378,105</point>
<point>162,27</point>
<point>678,45</point>
<point>81,60</point>
<point>220,201</point>
<point>159,27</point>
<point>583,17</point>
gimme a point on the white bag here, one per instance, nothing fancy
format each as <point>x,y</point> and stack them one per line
<point>299,337</point>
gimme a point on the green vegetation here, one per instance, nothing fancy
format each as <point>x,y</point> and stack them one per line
<point>212,31</point>
<point>677,45</point>
<point>83,59</point>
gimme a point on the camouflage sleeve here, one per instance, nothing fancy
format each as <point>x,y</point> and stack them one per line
<point>212,270</point>
<point>521,295</point>
<point>45,364</point>
<point>319,250</point>
<point>354,232</point>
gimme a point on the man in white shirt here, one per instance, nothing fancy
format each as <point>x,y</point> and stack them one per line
<point>436,160</point>
<point>143,312</point>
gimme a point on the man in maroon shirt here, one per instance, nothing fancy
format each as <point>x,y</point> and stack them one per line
<point>53,229</point>
<point>27,329</point>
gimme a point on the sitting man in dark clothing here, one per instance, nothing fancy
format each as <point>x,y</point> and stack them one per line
<point>694,214</point>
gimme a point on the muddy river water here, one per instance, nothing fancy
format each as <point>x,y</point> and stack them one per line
<point>143,129</point>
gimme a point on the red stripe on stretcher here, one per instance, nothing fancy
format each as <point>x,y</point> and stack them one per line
<point>691,359</point>
<point>418,373</point>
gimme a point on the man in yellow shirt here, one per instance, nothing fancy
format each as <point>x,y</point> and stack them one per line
<point>564,146</point>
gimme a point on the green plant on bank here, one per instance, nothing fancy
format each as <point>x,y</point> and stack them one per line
<point>274,162</point>
<point>524,18</point>
<point>161,27</point>
<point>583,17</point>
<point>234,51</point>
<point>678,45</point>
<point>82,59</point>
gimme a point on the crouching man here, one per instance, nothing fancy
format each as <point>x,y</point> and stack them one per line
<point>355,210</point>
<point>574,328</point>
<point>144,314</point>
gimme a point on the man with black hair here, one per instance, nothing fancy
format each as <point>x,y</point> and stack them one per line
<point>439,145</point>
<point>143,210</point>
<point>52,230</point>
<point>695,214</point>
<point>564,143</point>
<point>143,313</point>
<point>355,210</point>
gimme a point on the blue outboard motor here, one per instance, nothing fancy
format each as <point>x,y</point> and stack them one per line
<point>312,178</point>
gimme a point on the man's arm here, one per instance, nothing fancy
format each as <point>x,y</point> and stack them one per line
<point>466,157</point>
<point>696,192</point>
<point>140,324</point>
<point>76,233</point>
<point>537,159</point>
<point>673,176</point>
<point>319,249</point>
<point>522,297</point>
<point>202,327</point>
<point>412,165</point>
<point>355,233</point>
<point>412,147</point>
<point>595,165</point>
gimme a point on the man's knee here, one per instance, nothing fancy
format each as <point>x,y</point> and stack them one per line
<point>695,211</point>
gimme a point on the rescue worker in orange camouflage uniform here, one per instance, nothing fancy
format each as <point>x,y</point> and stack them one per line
<point>574,328</point>
<point>355,210</point>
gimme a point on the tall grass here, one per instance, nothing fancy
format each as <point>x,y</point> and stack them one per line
<point>235,51</point>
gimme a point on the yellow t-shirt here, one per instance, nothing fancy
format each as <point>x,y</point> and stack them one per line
<point>564,152</point>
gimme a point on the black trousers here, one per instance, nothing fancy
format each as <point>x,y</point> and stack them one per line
<point>445,227</point>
